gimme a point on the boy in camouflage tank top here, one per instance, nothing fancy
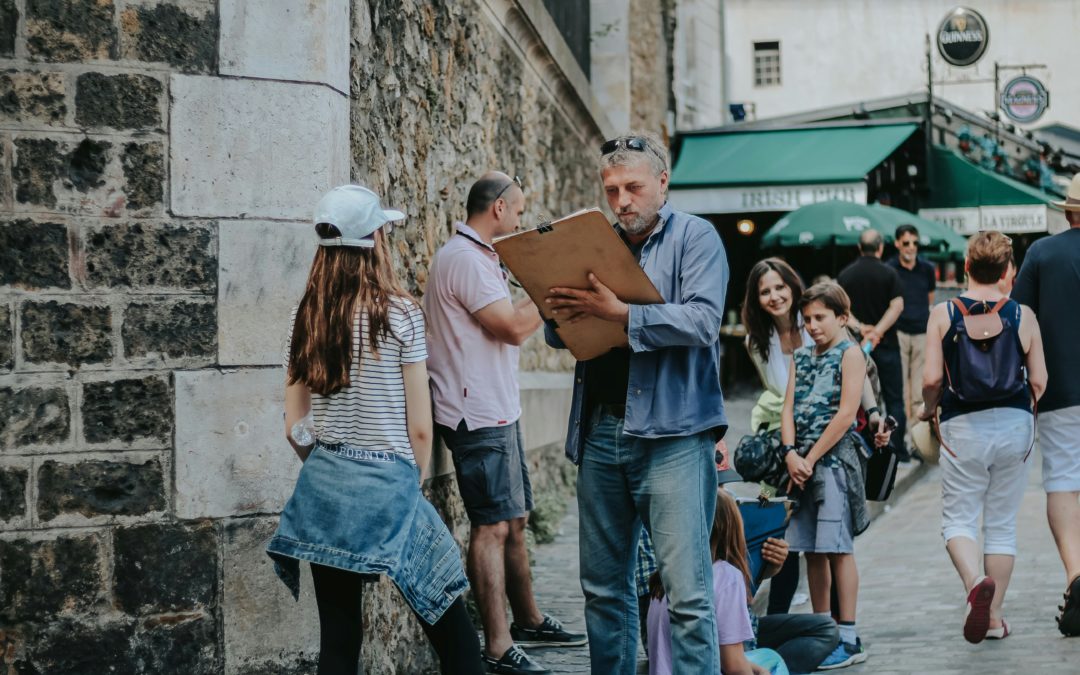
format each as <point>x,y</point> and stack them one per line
<point>822,400</point>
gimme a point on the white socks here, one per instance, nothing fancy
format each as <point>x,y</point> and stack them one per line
<point>848,633</point>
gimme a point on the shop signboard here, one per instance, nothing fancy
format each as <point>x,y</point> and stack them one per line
<point>1008,219</point>
<point>758,198</point>
<point>1024,99</point>
<point>962,37</point>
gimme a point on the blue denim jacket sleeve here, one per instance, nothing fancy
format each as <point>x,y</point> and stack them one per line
<point>693,321</point>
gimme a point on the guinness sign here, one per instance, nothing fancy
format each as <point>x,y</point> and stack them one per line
<point>963,37</point>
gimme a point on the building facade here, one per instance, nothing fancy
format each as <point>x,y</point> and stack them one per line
<point>786,56</point>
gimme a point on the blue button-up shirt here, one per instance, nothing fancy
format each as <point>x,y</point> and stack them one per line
<point>674,386</point>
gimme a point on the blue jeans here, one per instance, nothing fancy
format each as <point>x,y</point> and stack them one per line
<point>669,484</point>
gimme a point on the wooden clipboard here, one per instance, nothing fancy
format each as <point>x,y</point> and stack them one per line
<point>563,253</point>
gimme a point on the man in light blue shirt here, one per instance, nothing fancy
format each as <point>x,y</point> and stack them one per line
<point>645,419</point>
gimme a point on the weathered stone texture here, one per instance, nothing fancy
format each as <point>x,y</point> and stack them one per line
<point>70,30</point>
<point>166,32</point>
<point>118,101</point>
<point>169,644</point>
<point>221,130</point>
<point>453,100</point>
<point>66,333</point>
<point>34,255</point>
<point>33,416</point>
<point>165,568</point>
<point>177,644</point>
<point>40,163</point>
<point>137,255</point>
<point>251,320</point>
<point>317,49</point>
<point>31,96</point>
<point>6,332</point>
<point>229,457</point>
<point>170,329</point>
<point>12,493</point>
<point>144,174</point>
<point>7,192</point>
<point>251,592</point>
<point>9,23</point>
<point>71,647</point>
<point>85,168</point>
<point>42,579</point>
<point>127,410</point>
<point>650,64</point>
<point>100,488</point>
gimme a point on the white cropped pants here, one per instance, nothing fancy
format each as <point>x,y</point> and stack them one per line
<point>987,477</point>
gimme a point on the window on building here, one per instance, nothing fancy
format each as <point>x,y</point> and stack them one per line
<point>766,63</point>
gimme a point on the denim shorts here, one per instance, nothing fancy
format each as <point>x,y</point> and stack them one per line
<point>491,471</point>
<point>825,527</point>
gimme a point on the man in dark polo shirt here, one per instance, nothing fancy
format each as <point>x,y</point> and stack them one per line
<point>877,300</point>
<point>918,279</point>
<point>1049,283</point>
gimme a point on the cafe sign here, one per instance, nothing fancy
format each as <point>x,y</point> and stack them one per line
<point>1024,99</point>
<point>963,37</point>
<point>752,199</point>
<point>1016,219</point>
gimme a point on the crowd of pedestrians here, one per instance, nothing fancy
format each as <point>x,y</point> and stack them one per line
<point>372,379</point>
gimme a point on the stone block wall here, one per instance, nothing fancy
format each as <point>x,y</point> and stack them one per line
<point>158,163</point>
<point>110,296</point>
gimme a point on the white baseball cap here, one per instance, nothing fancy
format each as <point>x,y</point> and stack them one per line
<point>356,212</point>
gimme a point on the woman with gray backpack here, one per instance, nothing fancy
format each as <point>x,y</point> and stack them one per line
<point>984,367</point>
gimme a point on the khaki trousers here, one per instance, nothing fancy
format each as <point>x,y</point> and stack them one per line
<point>912,348</point>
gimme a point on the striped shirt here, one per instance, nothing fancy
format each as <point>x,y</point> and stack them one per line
<point>370,412</point>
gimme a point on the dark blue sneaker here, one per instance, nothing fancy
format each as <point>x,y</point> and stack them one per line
<point>550,633</point>
<point>845,654</point>
<point>514,662</point>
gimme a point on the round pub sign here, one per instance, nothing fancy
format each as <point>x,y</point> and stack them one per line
<point>963,37</point>
<point>1024,99</point>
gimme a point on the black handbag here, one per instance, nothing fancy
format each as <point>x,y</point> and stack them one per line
<point>880,471</point>
<point>757,458</point>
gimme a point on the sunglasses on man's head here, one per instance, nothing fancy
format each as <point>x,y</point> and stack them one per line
<point>632,143</point>
<point>516,181</point>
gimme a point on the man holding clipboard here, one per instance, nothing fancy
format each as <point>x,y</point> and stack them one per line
<point>645,419</point>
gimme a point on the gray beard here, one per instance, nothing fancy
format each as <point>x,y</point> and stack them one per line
<point>639,224</point>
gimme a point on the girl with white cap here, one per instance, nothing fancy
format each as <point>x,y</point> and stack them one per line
<point>358,413</point>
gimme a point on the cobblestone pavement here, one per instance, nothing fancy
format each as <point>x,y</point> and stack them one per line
<point>910,603</point>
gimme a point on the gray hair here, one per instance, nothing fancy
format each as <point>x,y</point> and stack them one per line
<point>655,153</point>
<point>869,241</point>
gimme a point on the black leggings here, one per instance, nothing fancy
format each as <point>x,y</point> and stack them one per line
<point>339,595</point>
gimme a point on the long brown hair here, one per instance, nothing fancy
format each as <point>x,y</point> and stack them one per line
<point>727,542</point>
<point>758,322</point>
<point>343,281</point>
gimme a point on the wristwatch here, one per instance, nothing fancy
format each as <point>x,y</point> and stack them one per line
<point>785,449</point>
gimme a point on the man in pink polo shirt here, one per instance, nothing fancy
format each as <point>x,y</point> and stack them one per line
<point>475,330</point>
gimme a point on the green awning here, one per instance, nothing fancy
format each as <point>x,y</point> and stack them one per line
<point>958,183</point>
<point>786,156</point>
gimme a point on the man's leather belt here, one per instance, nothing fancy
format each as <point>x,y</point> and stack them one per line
<point>613,409</point>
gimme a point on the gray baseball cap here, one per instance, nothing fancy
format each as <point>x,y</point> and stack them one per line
<point>356,212</point>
